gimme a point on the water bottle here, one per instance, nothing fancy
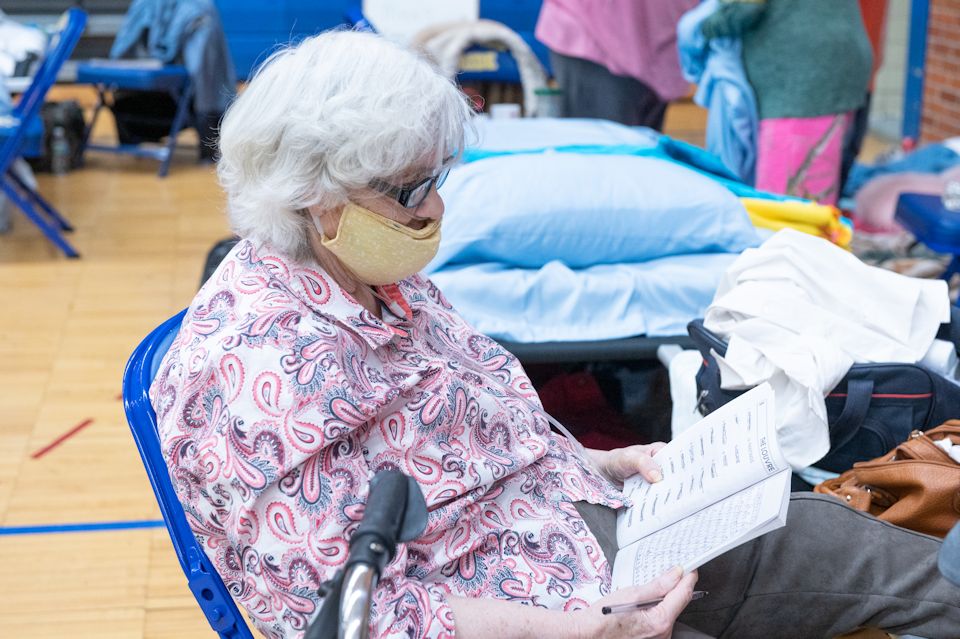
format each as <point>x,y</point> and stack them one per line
<point>59,151</point>
<point>549,102</point>
<point>951,196</point>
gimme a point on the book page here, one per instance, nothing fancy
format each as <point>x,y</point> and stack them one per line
<point>729,450</point>
<point>693,541</point>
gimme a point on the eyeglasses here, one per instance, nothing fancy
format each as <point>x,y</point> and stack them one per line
<point>411,196</point>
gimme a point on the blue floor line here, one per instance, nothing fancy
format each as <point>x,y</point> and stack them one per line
<point>89,527</point>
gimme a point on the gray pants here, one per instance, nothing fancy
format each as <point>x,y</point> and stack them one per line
<point>591,91</point>
<point>830,570</point>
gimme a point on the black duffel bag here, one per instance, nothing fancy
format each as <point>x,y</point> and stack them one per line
<point>874,408</point>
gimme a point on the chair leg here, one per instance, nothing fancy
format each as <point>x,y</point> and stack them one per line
<point>52,233</point>
<point>101,101</point>
<point>183,104</point>
<point>47,208</point>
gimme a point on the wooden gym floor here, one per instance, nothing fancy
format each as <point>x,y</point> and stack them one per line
<point>68,328</point>
<point>66,454</point>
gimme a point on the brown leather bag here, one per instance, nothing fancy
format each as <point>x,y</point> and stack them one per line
<point>916,485</point>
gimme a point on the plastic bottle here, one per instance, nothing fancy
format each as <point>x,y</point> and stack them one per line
<point>951,196</point>
<point>549,102</point>
<point>59,151</point>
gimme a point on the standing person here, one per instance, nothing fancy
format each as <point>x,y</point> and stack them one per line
<point>809,64</point>
<point>616,60</point>
<point>874,14</point>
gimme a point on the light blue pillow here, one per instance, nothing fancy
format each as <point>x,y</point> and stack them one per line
<point>583,210</point>
<point>514,134</point>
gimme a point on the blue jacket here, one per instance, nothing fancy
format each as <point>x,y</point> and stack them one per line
<point>186,32</point>
<point>716,67</point>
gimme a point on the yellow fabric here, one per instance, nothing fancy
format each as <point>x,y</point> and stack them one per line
<point>379,250</point>
<point>809,217</point>
<point>775,225</point>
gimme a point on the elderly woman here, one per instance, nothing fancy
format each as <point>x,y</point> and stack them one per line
<point>316,356</point>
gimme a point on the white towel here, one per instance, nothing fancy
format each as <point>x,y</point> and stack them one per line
<point>798,311</point>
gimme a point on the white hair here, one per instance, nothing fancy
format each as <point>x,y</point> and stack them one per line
<point>323,119</point>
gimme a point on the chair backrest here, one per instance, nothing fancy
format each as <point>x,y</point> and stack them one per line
<point>59,50</point>
<point>207,586</point>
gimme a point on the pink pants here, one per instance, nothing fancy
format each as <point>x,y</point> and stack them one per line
<point>801,156</point>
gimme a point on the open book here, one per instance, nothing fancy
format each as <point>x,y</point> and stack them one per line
<point>725,482</point>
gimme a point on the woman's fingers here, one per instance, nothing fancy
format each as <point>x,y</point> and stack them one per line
<point>638,460</point>
<point>621,463</point>
<point>668,581</point>
<point>677,598</point>
<point>673,587</point>
<point>655,589</point>
<point>661,618</point>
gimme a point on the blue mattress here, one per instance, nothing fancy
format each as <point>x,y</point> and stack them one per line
<point>558,304</point>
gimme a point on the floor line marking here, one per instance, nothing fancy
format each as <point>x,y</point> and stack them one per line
<point>96,526</point>
<point>62,438</point>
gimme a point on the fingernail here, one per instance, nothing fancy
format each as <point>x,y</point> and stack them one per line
<point>655,476</point>
<point>677,571</point>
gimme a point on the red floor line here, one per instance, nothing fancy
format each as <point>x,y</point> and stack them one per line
<point>62,438</point>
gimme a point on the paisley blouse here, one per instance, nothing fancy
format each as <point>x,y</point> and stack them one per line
<point>281,397</point>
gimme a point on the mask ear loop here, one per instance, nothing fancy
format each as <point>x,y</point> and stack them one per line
<point>317,225</point>
<point>574,442</point>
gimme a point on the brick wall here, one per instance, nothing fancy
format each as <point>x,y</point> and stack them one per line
<point>941,92</point>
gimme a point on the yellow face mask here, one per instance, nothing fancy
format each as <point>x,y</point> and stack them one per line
<point>379,250</point>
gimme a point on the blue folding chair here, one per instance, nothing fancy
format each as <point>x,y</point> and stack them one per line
<point>18,133</point>
<point>933,224</point>
<point>108,76</point>
<point>204,582</point>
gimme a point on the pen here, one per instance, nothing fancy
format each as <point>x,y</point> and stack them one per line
<point>643,605</point>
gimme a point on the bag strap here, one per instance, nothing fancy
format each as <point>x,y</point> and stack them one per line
<point>951,330</point>
<point>859,394</point>
<point>950,428</point>
<point>921,448</point>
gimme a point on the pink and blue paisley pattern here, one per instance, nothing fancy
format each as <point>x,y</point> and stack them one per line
<point>281,397</point>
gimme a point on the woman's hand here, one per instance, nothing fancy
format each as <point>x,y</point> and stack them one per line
<point>621,463</point>
<point>485,617</point>
<point>674,587</point>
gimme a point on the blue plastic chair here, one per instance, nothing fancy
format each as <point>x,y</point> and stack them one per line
<point>204,582</point>
<point>107,77</point>
<point>930,222</point>
<point>18,133</point>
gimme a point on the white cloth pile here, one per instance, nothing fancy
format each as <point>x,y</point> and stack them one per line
<point>799,311</point>
<point>17,42</point>
<point>949,448</point>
